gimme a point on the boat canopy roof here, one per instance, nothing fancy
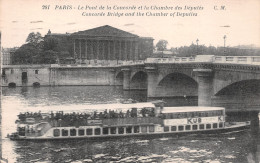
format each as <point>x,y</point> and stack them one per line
<point>190,109</point>
<point>98,107</point>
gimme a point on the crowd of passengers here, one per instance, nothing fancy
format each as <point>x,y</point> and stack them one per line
<point>72,118</point>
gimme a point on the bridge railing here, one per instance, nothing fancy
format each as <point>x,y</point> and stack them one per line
<point>252,60</point>
<point>255,60</point>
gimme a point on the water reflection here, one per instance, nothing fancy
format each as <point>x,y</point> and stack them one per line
<point>238,147</point>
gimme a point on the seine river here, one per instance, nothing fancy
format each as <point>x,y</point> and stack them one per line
<point>236,147</point>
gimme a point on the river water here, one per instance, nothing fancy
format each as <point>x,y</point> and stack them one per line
<point>236,147</point>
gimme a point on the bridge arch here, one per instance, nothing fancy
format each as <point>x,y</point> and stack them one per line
<point>244,88</point>
<point>119,78</point>
<point>177,84</point>
<point>138,80</point>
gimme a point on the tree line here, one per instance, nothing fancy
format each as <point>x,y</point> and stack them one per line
<point>50,50</point>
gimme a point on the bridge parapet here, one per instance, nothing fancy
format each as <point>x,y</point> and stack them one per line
<point>253,60</point>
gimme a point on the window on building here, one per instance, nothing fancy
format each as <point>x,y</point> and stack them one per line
<point>36,71</point>
<point>89,131</point>
<point>56,132</point>
<point>220,124</point>
<point>72,132</point>
<point>208,126</point>
<point>64,132</point>
<point>12,71</point>
<point>81,132</point>
<point>202,126</point>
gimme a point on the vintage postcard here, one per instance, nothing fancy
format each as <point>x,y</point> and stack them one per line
<point>130,81</point>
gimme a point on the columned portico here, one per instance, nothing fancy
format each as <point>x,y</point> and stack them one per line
<point>205,86</point>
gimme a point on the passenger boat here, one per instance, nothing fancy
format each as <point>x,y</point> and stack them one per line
<point>123,120</point>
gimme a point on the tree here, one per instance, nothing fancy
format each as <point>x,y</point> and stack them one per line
<point>162,45</point>
<point>26,54</point>
<point>34,38</point>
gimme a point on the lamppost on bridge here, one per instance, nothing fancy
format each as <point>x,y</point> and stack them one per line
<point>197,41</point>
<point>224,43</point>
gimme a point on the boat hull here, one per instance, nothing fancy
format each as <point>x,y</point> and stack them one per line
<point>225,130</point>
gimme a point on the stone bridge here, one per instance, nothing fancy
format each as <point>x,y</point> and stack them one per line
<point>210,78</point>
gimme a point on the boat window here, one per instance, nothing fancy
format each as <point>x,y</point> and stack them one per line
<point>136,129</point>
<point>151,128</point>
<point>208,126</point>
<point>129,129</point>
<point>143,129</point>
<point>173,128</point>
<point>113,130</point>
<point>202,126</point>
<point>121,130</point>
<point>56,132</point>
<point>97,131</point>
<point>194,127</point>
<point>180,128</point>
<point>187,127</point>
<point>220,124</point>
<point>89,131</point>
<point>215,125</point>
<point>166,128</point>
<point>72,132</point>
<point>105,131</point>
<point>64,132</point>
<point>81,132</point>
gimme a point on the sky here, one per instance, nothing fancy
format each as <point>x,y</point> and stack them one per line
<point>240,21</point>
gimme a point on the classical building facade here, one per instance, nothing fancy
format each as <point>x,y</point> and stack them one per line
<point>105,43</point>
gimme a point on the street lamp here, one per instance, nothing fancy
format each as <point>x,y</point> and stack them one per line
<point>197,46</point>
<point>224,43</point>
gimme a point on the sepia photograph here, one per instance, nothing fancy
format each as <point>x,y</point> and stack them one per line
<point>113,81</point>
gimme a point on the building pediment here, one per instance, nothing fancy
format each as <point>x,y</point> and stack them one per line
<point>105,31</point>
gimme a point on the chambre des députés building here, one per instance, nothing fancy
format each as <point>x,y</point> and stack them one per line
<point>104,43</point>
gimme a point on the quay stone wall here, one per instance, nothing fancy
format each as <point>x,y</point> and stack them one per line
<point>81,76</point>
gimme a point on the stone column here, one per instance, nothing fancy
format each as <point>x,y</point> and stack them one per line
<point>126,80</point>
<point>92,50</point>
<point>205,82</point>
<point>136,51</point>
<point>86,49</point>
<point>74,47</point>
<point>108,51</point>
<point>103,51</point>
<point>80,51</point>
<point>114,51</point>
<point>119,51</point>
<point>125,51</point>
<point>97,50</point>
<point>131,57</point>
<point>152,77</point>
